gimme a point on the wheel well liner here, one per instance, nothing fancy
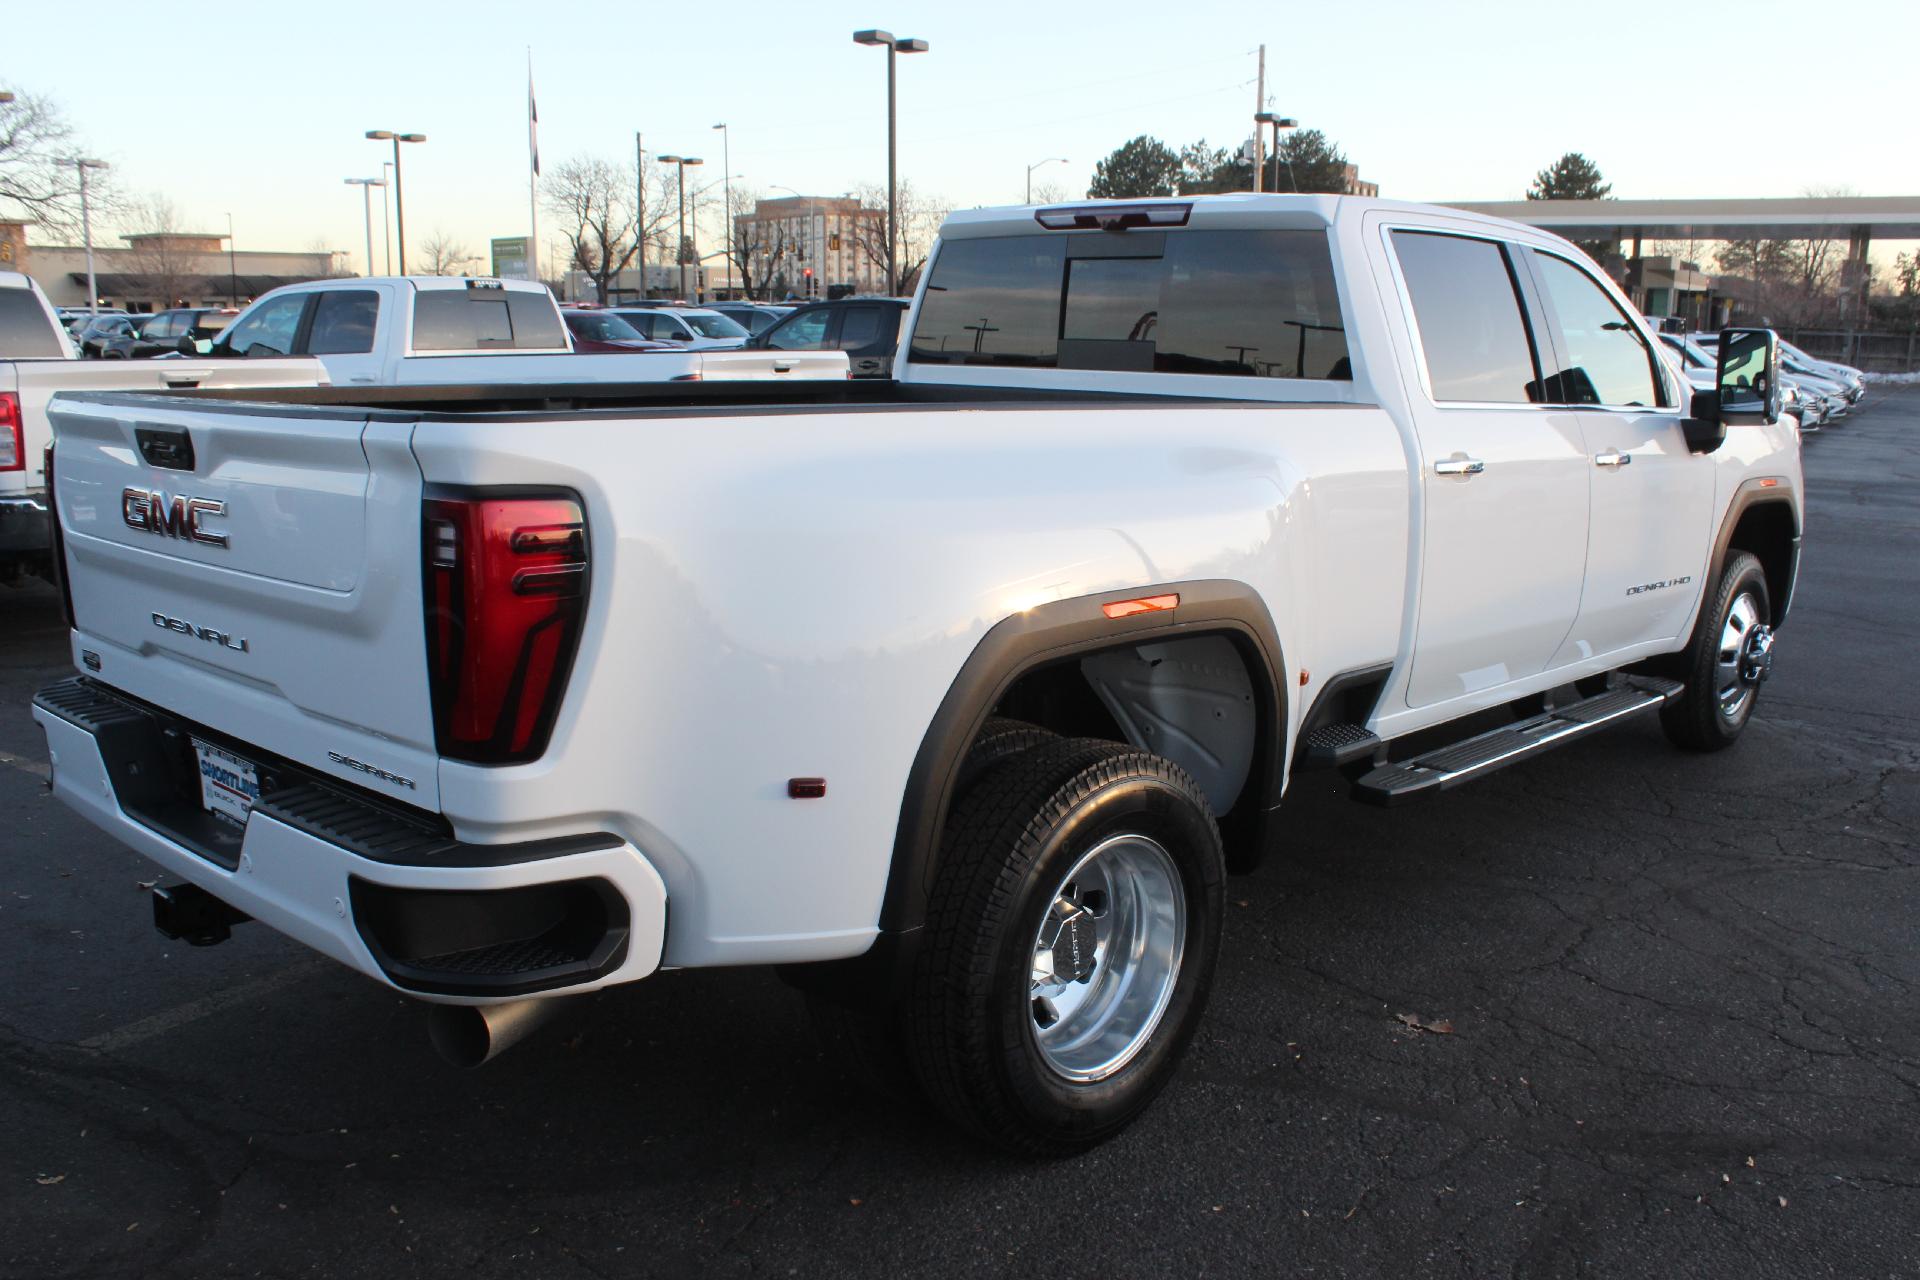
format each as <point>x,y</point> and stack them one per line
<point>1073,628</point>
<point>1762,519</point>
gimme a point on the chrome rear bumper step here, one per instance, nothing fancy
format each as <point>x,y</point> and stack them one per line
<point>1447,767</point>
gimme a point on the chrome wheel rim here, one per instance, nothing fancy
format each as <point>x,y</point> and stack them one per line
<point>1106,957</point>
<point>1746,651</point>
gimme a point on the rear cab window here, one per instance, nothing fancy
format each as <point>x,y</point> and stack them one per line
<point>1253,303</point>
<point>26,330</point>
<point>485,316</point>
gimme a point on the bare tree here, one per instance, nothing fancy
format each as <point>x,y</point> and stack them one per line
<point>759,248</point>
<point>162,265</point>
<point>38,181</point>
<point>445,256</point>
<point>917,221</point>
<point>594,203</point>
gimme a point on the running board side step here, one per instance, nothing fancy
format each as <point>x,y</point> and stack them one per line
<point>1447,767</point>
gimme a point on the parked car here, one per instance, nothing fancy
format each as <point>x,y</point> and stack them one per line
<point>867,329</point>
<point>959,694</point>
<point>691,328</point>
<point>603,331</point>
<point>93,336</point>
<point>160,333</point>
<point>74,319</point>
<point>1852,382</point>
<point>754,317</point>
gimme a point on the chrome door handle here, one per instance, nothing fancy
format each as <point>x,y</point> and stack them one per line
<point>1459,467</point>
<point>1612,458</point>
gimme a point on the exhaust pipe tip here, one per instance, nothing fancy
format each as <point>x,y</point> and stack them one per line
<point>469,1035</point>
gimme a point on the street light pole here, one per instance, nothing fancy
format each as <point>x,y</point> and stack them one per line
<point>386,217</point>
<point>893,46</point>
<point>726,162</point>
<point>1278,123</point>
<point>366,186</point>
<point>233,278</point>
<point>86,229</point>
<point>1035,165</point>
<point>399,187</point>
<point>640,213</point>
<point>680,248</point>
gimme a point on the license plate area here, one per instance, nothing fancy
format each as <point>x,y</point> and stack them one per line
<point>228,784</point>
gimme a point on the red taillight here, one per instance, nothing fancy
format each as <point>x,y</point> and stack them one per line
<point>13,434</point>
<point>505,583</point>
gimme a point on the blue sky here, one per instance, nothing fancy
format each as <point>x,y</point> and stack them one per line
<point>260,110</point>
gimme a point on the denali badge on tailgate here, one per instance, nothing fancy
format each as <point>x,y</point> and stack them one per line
<point>177,516</point>
<point>224,639</point>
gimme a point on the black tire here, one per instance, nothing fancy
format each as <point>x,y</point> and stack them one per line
<point>1001,738</point>
<point>1701,719</point>
<point>1008,844</point>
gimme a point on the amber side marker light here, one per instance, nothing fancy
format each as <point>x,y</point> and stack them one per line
<point>1769,483</point>
<point>1145,604</point>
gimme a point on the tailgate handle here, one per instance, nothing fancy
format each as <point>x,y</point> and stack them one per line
<point>172,450</point>
<point>181,379</point>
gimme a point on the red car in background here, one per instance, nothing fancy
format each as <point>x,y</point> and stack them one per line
<point>602,331</point>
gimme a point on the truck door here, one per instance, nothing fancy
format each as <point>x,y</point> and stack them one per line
<point>1505,485</point>
<point>1651,501</point>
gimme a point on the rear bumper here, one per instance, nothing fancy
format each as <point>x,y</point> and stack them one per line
<point>24,524</point>
<point>420,912</point>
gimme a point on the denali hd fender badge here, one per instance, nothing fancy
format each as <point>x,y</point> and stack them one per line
<point>1655,586</point>
<point>177,516</point>
<point>211,636</point>
<point>375,770</point>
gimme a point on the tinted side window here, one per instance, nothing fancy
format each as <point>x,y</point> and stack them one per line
<point>343,323</point>
<point>161,327</point>
<point>1239,303</point>
<point>269,328</point>
<point>1607,361</point>
<point>1467,306</point>
<point>25,330</point>
<point>859,327</point>
<point>806,331</point>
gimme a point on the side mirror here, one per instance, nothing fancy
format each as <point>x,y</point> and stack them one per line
<point>192,346</point>
<point>1748,378</point>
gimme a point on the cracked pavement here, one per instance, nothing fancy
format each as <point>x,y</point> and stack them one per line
<point>1683,993</point>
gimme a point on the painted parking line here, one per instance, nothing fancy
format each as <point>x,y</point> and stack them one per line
<point>192,1011</point>
<point>38,768</point>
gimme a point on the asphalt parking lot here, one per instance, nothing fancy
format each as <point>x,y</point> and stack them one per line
<point>1682,994</point>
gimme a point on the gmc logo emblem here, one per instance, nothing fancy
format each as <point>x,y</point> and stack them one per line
<point>176,517</point>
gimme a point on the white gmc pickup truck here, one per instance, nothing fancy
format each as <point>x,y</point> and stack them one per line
<point>956,696</point>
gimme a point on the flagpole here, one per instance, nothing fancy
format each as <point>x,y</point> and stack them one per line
<point>533,176</point>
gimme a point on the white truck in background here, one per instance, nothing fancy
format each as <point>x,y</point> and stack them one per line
<point>423,332</point>
<point>956,695</point>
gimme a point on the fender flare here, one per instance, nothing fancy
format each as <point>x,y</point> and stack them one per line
<point>1062,630</point>
<point>1754,492</point>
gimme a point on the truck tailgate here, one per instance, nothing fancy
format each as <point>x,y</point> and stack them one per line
<point>38,381</point>
<point>753,364</point>
<point>255,569</point>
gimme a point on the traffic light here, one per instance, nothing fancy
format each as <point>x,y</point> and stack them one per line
<point>808,275</point>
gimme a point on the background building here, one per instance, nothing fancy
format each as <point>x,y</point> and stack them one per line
<point>813,246</point>
<point>155,270</point>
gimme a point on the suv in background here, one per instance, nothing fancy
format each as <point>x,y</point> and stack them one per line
<point>159,334</point>
<point>755,317</point>
<point>693,328</point>
<point>93,336</point>
<point>867,329</point>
